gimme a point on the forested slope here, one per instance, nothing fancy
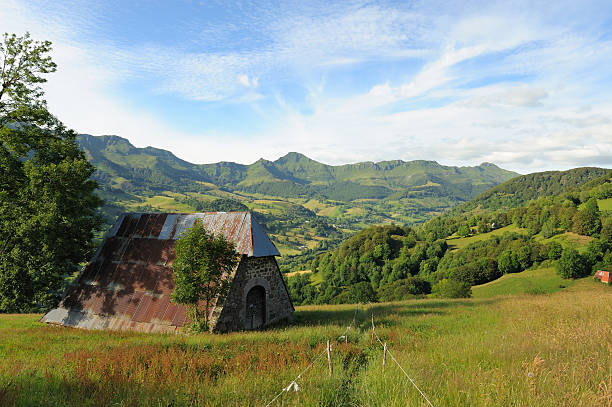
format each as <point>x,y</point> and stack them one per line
<point>571,231</point>
<point>521,189</point>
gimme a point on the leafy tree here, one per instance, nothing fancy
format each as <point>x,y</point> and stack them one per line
<point>484,226</point>
<point>523,256</point>
<point>555,251</point>
<point>48,208</point>
<point>202,269</point>
<point>595,253</point>
<point>404,288</point>
<point>428,266</point>
<point>446,288</point>
<point>587,220</point>
<point>571,264</point>
<point>508,262</point>
<point>549,228</point>
<point>606,229</point>
<point>362,293</point>
<point>464,230</point>
<point>300,289</point>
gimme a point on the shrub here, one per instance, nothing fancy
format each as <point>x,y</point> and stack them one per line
<point>357,293</point>
<point>451,289</point>
<point>402,289</point>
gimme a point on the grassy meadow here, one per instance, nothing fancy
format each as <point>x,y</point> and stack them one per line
<point>605,204</point>
<point>539,281</point>
<point>455,242</point>
<point>519,349</point>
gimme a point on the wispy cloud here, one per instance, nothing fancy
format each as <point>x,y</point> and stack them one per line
<point>523,85</point>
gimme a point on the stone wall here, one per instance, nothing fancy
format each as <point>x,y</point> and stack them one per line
<point>253,271</point>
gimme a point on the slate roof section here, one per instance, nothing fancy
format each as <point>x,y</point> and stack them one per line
<point>127,285</point>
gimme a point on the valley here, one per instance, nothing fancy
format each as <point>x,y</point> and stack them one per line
<point>304,205</point>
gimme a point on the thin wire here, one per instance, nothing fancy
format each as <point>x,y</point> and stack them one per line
<point>316,359</point>
<point>296,379</point>
<point>396,362</point>
<point>409,378</point>
<point>311,364</point>
<point>355,316</point>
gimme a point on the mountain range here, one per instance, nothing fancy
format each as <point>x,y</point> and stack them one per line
<point>121,165</point>
<point>286,192</point>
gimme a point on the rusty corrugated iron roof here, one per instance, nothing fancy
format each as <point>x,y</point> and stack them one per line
<point>239,227</point>
<point>127,285</point>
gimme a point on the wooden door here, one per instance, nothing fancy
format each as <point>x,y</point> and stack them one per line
<point>256,307</point>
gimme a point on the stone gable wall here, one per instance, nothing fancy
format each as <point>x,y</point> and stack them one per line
<point>252,271</point>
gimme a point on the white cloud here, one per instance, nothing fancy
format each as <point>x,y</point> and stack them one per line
<point>558,117</point>
<point>248,82</point>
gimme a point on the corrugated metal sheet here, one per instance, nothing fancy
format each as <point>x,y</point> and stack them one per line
<point>127,285</point>
<point>239,227</point>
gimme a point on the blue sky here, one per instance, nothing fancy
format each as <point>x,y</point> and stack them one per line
<point>524,85</point>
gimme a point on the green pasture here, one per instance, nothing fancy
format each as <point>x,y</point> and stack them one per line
<point>540,281</point>
<point>455,242</point>
<point>605,204</point>
<point>511,350</point>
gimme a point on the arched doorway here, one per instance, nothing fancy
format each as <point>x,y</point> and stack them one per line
<point>256,307</point>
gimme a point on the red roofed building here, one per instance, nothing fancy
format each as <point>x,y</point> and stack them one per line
<point>127,284</point>
<point>604,276</point>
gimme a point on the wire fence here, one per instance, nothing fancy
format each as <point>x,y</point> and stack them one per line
<point>386,349</point>
<point>293,385</point>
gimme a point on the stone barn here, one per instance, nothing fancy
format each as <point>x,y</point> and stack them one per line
<point>127,284</point>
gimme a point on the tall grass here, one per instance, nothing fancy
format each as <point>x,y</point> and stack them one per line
<point>525,350</point>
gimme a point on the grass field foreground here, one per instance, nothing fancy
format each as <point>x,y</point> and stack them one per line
<point>521,350</point>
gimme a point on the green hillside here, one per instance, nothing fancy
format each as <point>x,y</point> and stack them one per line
<point>538,281</point>
<point>519,190</point>
<point>303,204</point>
<point>570,233</point>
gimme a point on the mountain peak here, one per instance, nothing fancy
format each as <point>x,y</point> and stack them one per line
<point>294,157</point>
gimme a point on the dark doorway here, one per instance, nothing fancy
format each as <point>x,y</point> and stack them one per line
<point>256,307</point>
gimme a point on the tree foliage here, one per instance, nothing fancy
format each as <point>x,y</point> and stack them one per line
<point>48,208</point>
<point>571,264</point>
<point>202,272</point>
<point>404,288</point>
<point>23,62</point>
<point>519,190</point>
<point>508,262</point>
<point>388,257</point>
<point>447,288</point>
<point>587,220</point>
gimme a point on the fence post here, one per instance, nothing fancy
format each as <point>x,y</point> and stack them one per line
<point>372,310</point>
<point>329,359</point>
<point>384,356</point>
